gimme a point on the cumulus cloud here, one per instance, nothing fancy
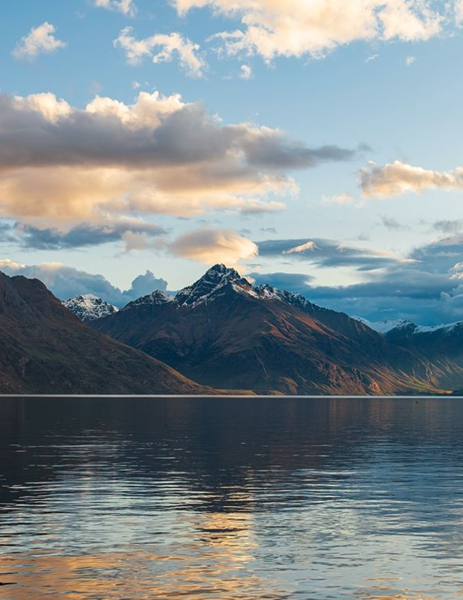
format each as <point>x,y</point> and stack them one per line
<point>296,27</point>
<point>162,48</point>
<point>66,282</point>
<point>397,178</point>
<point>126,7</point>
<point>63,165</point>
<point>40,40</point>
<point>209,246</point>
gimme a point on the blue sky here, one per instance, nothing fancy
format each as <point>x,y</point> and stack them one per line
<point>269,150</point>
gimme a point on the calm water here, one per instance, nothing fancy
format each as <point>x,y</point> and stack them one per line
<point>232,499</point>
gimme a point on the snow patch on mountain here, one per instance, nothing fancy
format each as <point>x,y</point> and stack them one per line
<point>89,307</point>
<point>389,325</point>
<point>156,298</point>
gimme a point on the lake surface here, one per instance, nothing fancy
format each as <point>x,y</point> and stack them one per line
<point>232,499</point>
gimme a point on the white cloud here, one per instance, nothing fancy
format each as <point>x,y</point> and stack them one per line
<point>246,72</point>
<point>459,12</point>
<point>341,199</point>
<point>300,27</point>
<point>126,7</point>
<point>409,60</point>
<point>169,46</point>
<point>397,178</point>
<point>209,246</point>
<point>40,40</point>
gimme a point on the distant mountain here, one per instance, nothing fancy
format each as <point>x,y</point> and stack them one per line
<point>442,345</point>
<point>89,307</point>
<point>224,332</point>
<point>44,349</point>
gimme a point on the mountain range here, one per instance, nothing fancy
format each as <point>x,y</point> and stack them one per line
<point>224,332</point>
<point>220,333</point>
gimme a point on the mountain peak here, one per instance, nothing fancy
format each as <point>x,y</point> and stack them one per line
<point>213,280</point>
<point>89,307</point>
<point>156,298</point>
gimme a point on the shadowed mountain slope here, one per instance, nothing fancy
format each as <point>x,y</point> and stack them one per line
<point>44,349</point>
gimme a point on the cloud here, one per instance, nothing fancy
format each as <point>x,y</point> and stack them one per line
<point>61,166</point>
<point>40,40</point>
<point>449,226</point>
<point>209,246</point>
<point>329,253</point>
<point>126,7</point>
<point>458,7</point>
<point>409,60</point>
<point>86,234</point>
<point>397,178</point>
<point>273,28</point>
<point>340,199</point>
<point>392,224</point>
<point>66,282</point>
<point>169,46</point>
<point>246,72</point>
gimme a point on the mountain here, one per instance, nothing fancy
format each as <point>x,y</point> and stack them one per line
<point>44,349</point>
<point>224,332</point>
<point>441,345</point>
<point>89,307</point>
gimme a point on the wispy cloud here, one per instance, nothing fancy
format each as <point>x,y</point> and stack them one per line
<point>163,48</point>
<point>126,7</point>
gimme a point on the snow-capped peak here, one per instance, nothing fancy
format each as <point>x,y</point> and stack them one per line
<point>216,278</point>
<point>156,298</point>
<point>89,307</point>
<point>387,325</point>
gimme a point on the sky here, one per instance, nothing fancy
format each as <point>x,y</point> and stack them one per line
<point>315,145</point>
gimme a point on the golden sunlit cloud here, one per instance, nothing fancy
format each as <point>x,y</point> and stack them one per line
<point>296,27</point>
<point>397,178</point>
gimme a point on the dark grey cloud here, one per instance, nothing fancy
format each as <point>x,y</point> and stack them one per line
<point>82,236</point>
<point>392,224</point>
<point>449,226</point>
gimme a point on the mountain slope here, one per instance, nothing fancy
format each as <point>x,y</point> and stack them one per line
<point>224,332</point>
<point>45,349</point>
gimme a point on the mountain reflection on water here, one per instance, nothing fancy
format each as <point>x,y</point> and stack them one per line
<point>232,499</point>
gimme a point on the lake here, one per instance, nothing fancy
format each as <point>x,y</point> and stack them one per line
<point>305,499</point>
